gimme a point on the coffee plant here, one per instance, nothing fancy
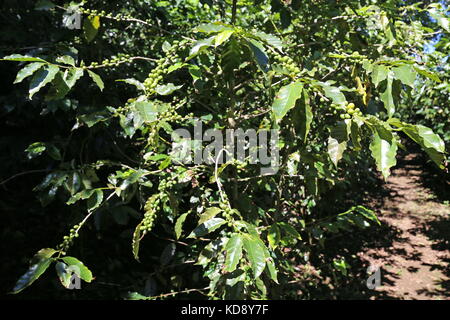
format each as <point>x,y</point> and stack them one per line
<point>342,82</point>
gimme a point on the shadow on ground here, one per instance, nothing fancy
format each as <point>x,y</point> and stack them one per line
<point>414,209</point>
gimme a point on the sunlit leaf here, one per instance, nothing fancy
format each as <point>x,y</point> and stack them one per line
<point>286,99</point>
<point>42,77</point>
<point>27,71</point>
<point>98,81</point>
<point>79,268</point>
<point>234,252</point>
<point>207,227</point>
<point>255,253</point>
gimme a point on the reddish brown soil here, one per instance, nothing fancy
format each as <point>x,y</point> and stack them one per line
<point>415,264</point>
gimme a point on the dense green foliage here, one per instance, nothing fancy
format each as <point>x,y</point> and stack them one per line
<point>346,83</point>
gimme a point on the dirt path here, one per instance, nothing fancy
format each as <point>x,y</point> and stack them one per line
<point>415,265</point>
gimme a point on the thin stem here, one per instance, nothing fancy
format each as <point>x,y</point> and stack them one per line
<point>216,174</point>
<point>175,293</point>
<point>23,173</point>
<point>233,12</point>
<point>92,212</point>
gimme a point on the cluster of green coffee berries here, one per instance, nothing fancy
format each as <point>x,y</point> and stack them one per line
<point>123,109</point>
<point>288,64</point>
<point>103,14</point>
<point>356,55</point>
<point>228,212</point>
<point>126,108</point>
<point>153,138</point>
<point>170,114</point>
<point>151,209</point>
<point>111,62</point>
<point>156,75</point>
<point>68,240</point>
<point>162,66</point>
<point>153,204</point>
<point>168,183</point>
<point>350,111</point>
<point>240,165</point>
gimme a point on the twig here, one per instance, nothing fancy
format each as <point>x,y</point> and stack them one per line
<point>92,212</point>
<point>233,12</point>
<point>134,20</point>
<point>249,116</point>
<point>175,293</point>
<point>216,174</point>
<point>23,173</point>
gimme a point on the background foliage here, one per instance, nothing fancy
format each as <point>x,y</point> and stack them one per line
<point>88,115</point>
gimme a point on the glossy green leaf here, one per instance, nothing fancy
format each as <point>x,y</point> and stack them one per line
<point>305,116</point>
<point>19,57</point>
<point>44,5</point>
<point>234,252</point>
<point>431,143</point>
<point>82,195</point>
<point>63,274</point>
<point>43,254</point>
<point>72,75</point>
<point>137,296</point>
<point>137,236</point>
<point>139,85</point>
<point>212,27</point>
<point>167,89</point>
<point>222,37</point>
<point>73,183</point>
<point>387,96</point>
<point>63,82</point>
<point>209,214</point>
<point>179,224</point>
<point>33,273</point>
<point>66,60</point>
<point>39,264</point>
<point>379,73</point>
<point>406,74</point>
<point>42,77</point>
<point>270,39</point>
<point>95,200</point>
<point>176,66</point>
<point>147,110</point>
<point>195,72</point>
<point>28,70</point>
<point>91,25</point>
<point>273,273</point>
<point>79,268</point>
<point>334,93</point>
<point>286,99</point>
<point>207,227</point>
<point>200,46</point>
<point>59,88</point>
<point>234,284</point>
<point>427,74</point>
<point>53,152</point>
<point>98,81</point>
<point>35,149</point>
<point>442,20</point>
<point>289,231</point>
<point>384,152</point>
<point>274,236</point>
<point>336,149</point>
<point>430,139</point>
<point>260,54</point>
<point>93,118</point>
<point>255,253</point>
